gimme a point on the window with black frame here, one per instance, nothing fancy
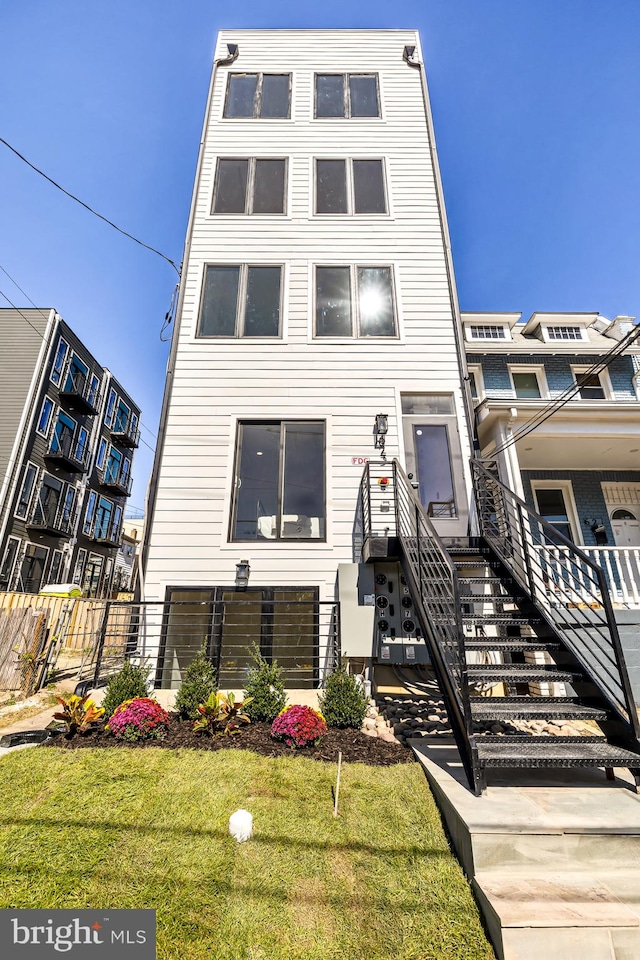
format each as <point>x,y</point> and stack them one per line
<point>249,186</point>
<point>347,95</point>
<point>354,301</point>
<point>241,300</point>
<point>279,491</point>
<point>350,187</point>
<point>258,96</point>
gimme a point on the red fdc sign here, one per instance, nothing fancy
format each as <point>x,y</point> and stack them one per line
<point>359,461</point>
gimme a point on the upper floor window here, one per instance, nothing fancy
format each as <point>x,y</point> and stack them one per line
<point>45,416</point>
<point>354,301</point>
<point>529,382</point>
<point>347,95</point>
<point>28,484</point>
<point>486,331</point>
<point>350,186</point>
<point>254,95</point>
<point>58,362</point>
<point>249,186</point>
<point>241,301</point>
<point>565,332</point>
<point>111,406</point>
<point>592,386</point>
<point>279,482</point>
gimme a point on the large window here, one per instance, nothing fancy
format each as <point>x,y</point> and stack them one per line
<point>58,361</point>
<point>593,386</point>
<point>279,482</point>
<point>249,186</point>
<point>9,562</point>
<point>354,302</point>
<point>241,301</point>
<point>264,95</point>
<point>347,95</point>
<point>350,186</point>
<point>45,416</point>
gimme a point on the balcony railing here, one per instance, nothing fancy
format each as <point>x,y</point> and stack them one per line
<point>69,452</point>
<point>621,567</point>
<point>127,432</point>
<point>54,518</point>
<point>116,480</point>
<point>106,531</point>
<point>83,394</point>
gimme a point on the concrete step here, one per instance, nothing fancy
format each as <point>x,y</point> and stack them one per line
<point>576,915</point>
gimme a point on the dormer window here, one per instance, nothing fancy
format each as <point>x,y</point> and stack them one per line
<point>565,332</point>
<point>487,331</point>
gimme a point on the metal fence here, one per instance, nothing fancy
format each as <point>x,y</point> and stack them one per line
<point>303,636</point>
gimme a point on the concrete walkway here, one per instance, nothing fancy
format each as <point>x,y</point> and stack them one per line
<point>553,857</point>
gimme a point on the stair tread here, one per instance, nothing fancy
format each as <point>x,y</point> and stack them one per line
<point>514,644</point>
<point>486,708</point>
<point>490,598</point>
<point>515,751</point>
<point>497,618</point>
<point>521,672</point>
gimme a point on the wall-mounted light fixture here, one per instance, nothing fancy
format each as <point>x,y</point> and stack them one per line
<point>598,530</point>
<point>243,569</point>
<point>408,53</point>
<point>380,431</point>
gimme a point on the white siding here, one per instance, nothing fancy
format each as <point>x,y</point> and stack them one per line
<point>344,383</point>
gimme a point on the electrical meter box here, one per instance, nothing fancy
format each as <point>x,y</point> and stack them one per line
<point>398,637</point>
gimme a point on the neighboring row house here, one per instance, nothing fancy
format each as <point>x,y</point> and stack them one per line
<point>67,440</point>
<point>579,468</point>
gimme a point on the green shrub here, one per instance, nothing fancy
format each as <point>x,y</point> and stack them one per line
<point>199,682</point>
<point>131,682</point>
<point>265,686</point>
<point>342,701</point>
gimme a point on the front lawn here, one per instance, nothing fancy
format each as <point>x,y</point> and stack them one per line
<point>116,828</point>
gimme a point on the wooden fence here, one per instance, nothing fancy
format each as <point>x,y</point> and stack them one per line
<point>70,632</point>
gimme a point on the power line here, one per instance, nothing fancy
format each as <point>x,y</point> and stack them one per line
<point>90,209</point>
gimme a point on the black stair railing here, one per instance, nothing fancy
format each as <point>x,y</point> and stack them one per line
<point>569,590</point>
<point>433,581</point>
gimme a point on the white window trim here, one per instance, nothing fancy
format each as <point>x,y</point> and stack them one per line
<point>579,368</point>
<point>398,337</point>
<point>351,199</point>
<point>108,418</point>
<point>538,370</point>
<point>567,491</point>
<point>36,481</point>
<point>479,323</point>
<point>45,433</point>
<point>476,370</point>
<point>51,559</point>
<point>284,303</point>
<point>63,365</point>
<point>584,336</point>
<point>15,559</point>
<point>287,196</point>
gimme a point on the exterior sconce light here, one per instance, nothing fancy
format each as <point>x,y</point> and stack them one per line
<point>408,53</point>
<point>380,432</point>
<point>243,570</point>
<point>598,529</point>
<point>233,49</point>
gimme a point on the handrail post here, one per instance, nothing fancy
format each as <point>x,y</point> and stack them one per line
<point>525,551</point>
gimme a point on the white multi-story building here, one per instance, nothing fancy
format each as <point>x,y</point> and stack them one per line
<point>317,293</point>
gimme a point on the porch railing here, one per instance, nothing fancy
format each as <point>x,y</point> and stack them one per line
<point>568,588</point>
<point>621,567</point>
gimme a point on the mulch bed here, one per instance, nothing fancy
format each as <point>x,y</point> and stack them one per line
<point>356,747</point>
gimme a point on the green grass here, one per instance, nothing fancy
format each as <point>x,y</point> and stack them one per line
<point>119,828</point>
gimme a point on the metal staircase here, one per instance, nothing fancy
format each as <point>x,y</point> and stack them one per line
<point>510,637</point>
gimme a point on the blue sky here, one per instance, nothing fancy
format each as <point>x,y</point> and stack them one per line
<point>536,107</point>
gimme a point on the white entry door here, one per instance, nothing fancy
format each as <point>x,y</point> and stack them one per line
<point>626,527</point>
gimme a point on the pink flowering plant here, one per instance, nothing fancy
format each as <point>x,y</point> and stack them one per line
<point>299,726</point>
<point>139,719</point>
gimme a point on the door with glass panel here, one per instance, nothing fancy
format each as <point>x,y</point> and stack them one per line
<point>433,457</point>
